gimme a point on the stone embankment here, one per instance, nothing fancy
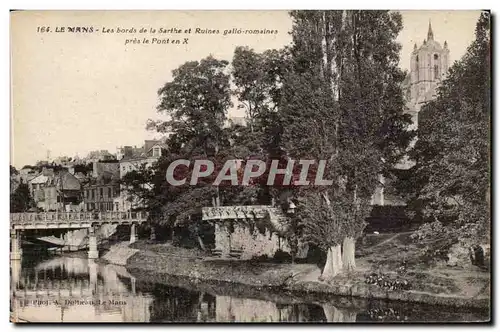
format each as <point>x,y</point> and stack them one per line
<point>163,260</point>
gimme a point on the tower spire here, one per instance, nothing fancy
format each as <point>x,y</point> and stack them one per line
<point>430,34</point>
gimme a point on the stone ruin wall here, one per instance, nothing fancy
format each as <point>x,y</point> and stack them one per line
<point>252,244</point>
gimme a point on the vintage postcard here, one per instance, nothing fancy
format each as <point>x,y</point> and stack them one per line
<point>324,166</point>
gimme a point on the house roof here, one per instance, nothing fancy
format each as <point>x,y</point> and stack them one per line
<point>39,179</point>
<point>69,181</point>
<point>148,144</point>
<point>134,158</point>
<point>159,144</point>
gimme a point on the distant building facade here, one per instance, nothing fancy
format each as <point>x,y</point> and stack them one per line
<point>27,173</point>
<point>99,155</point>
<point>133,159</point>
<point>429,66</point>
<point>100,196</point>
<point>56,190</point>
<point>103,187</point>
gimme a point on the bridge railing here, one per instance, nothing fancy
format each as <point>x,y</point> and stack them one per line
<point>76,216</point>
<point>235,212</point>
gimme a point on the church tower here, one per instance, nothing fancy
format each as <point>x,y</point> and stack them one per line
<point>428,67</point>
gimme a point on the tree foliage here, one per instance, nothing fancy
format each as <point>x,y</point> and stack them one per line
<point>20,199</point>
<point>345,93</point>
<point>334,95</point>
<point>196,100</point>
<point>452,177</point>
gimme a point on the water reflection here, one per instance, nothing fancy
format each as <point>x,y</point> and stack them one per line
<point>68,289</point>
<point>64,289</point>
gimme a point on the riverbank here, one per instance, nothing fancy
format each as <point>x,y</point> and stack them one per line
<point>445,286</point>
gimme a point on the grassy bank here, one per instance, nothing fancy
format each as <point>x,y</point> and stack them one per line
<point>439,285</point>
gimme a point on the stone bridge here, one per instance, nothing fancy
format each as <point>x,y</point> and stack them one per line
<point>20,222</point>
<point>51,220</point>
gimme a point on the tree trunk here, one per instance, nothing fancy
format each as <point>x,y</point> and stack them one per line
<point>335,315</point>
<point>348,251</point>
<point>200,299</point>
<point>333,263</point>
<point>152,235</point>
<point>200,241</point>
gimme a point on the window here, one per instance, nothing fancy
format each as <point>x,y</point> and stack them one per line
<point>109,192</point>
<point>436,71</point>
<point>156,152</point>
<point>436,56</point>
<point>417,69</point>
<point>101,192</point>
<point>93,193</point>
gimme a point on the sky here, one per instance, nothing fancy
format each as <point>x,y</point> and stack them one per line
<point>72,93</point>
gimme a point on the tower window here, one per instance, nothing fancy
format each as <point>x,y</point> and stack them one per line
<point>417,69</point>
<point>436,56</point>
<point>436,71</point>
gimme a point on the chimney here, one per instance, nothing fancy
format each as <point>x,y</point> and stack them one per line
<point>127,151</point>
<point>95,169</point>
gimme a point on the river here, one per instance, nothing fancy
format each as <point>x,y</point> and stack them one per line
<point>69,289</point>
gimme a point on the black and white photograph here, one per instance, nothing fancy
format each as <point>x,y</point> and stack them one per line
<point>250,166</point>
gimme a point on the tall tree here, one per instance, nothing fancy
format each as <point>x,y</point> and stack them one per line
<point>196,100</point>
<point>345,92</point>
<point>258,80</point>
<point>20,199</point>
<point>13,170</point>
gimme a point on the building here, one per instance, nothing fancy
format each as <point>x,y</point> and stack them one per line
<point>106,169</point>
<point>128,151</point>
<point>56,190</point>
<point>429,66</point>
<point>99,155</point>
<point>100,195</point>
<point>64,161</point>
<point>103,187</point>
<point>27,173</point>
<point>134,159</point>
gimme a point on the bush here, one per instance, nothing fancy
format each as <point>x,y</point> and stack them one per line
<point>387,218</point>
